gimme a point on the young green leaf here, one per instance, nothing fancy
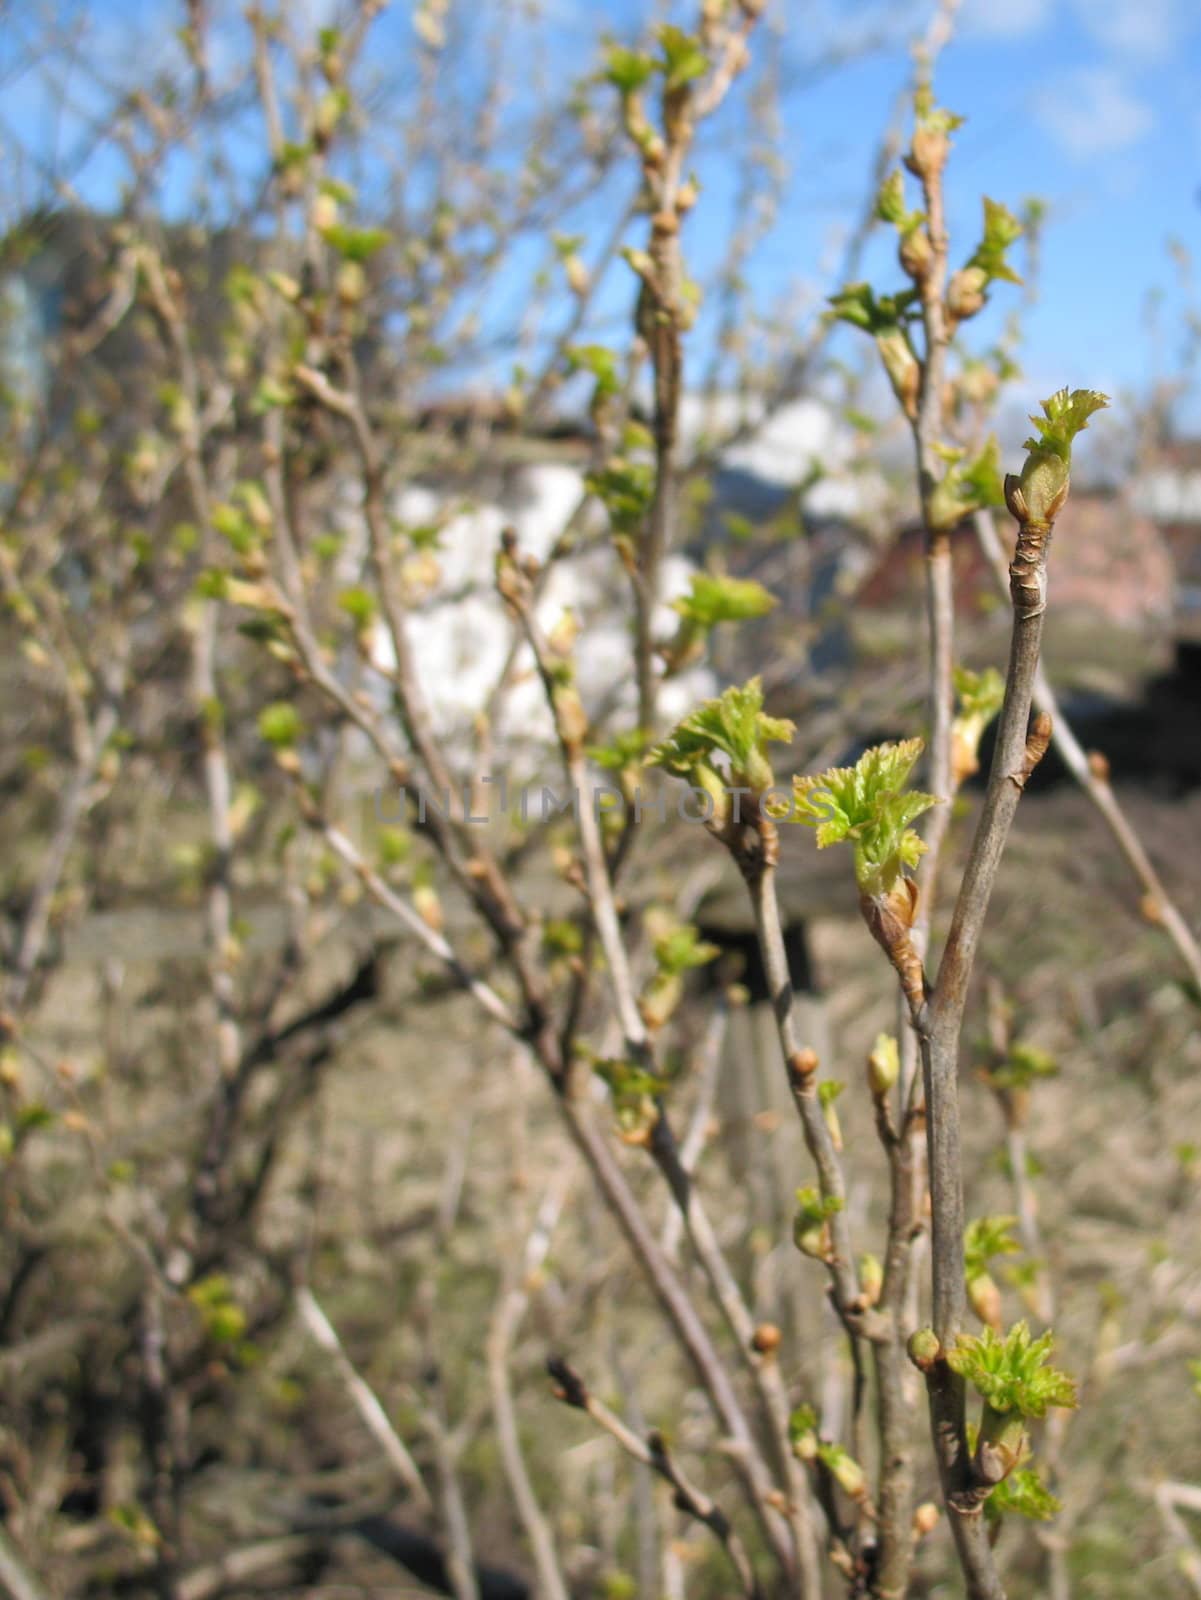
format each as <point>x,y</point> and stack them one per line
<point>625,489</point>
<point>359,604</point>
<point>886,318</point>
<point>890,205</point>
<point>622,753</point>
<point>628,70</point>
<point>1024,1064</point>
<point>810,1225</point>
<point>980,696</point>
<point>844,1469</point>
<point>683,59</point>
<point>1037,494</point>
<point>1001,229</point>
<point>1065,415</point>
<point>827,1093</point>
<point>1011,1373</point>
<point>716,598</point>
<point>1021,1494</point>
<point>964,489</point>
<point>802,1432</point>
<point>859,305</point>
<point>682,948</point>
<point>984,1238</point>
<point>734,726</point>
<point>635,1099</point>
<point>866,804</point>
<point>600,361</point>
<point>355,244</point>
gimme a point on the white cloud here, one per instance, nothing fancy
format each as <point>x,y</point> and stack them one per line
<point>1008,19</point>
<point>1090,112</point>
<point>1148,29</point>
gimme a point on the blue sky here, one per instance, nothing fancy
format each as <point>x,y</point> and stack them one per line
<point>1092,105</point>
<point>1095,107</point>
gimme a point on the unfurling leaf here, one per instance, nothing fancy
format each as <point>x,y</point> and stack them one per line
<point>628,70</point>
<point>635,1095</point>
<point>715,598</point>
<point>625,489</point>
<point>1001,229</point>
<point>859,305</point>
<point>866,804</point>
<point>964,489</point>
<point>844,1469</point>
<point>355,244</point>
<point>683,58</point>
<point>980,696</point>
<point>810,1225</point>
<point>601,362</point>
<point>984,1238</point>
<point>1022,1066</point>
<point>890,205</point>
<point>1065,415</point>
<point>1021,1494</point>
<point>802,1433</point>
<point>734,726</point>
<point>1011,1373</point>
<point>1037,494</point>
<point>681,949</point>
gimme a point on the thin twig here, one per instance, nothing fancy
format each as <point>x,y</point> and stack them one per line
<point>662,1145</point>
<point>375,1419</point>
<point>13,1574</point>
<point>653,1452</point>
<point>510,1309</point>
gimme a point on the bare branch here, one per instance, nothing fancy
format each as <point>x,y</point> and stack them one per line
<point>654,1453</point>
<point>375,1419</point>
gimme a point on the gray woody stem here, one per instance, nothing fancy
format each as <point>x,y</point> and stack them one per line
<point>1018,749</point>
<point>1092,776</point>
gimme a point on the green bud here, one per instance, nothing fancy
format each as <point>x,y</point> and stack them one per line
<point>844,1469</point>
<point>924,1348</point>
<point>660,1000</point>
<point>811,1238</point>
<point>883,1065</point>
<point>915,253</point>
<point>810,1226</point>
<point>827,1093</point>
<point>985,1298</point>
<point>871,1277</point>
<point>802,1432</point>
<point>1002,1445</point>
<point>570,715</point>
<point>965,292</point>
<point>280,725</point>
<point>902,368</point>
<point>1037,494</point>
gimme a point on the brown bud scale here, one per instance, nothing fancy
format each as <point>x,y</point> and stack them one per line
<point>1027,570</point>
<point>802,1064</point>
